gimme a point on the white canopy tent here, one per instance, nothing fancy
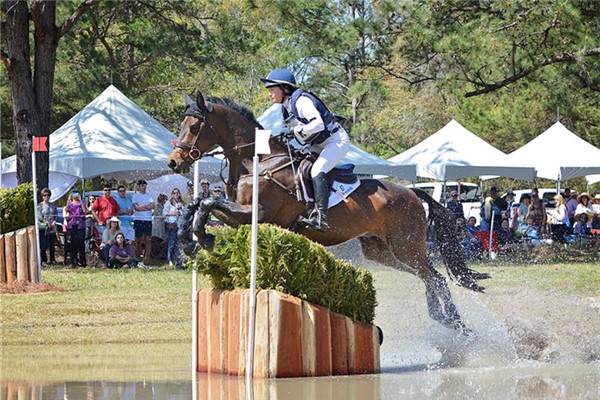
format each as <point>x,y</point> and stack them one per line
<point>110,137</point>
<point>454,153</point>
<point>558,154</point>
<point>365,163</point>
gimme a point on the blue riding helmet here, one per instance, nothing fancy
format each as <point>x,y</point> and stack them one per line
<point>279,77</point>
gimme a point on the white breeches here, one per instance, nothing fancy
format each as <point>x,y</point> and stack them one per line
<point>331,151</point>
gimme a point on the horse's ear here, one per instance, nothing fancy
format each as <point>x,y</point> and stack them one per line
<point>200,102</point>
<point>188,100</point>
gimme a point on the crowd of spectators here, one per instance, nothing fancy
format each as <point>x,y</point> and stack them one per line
<point>512,226</point>
<point>120,230</point>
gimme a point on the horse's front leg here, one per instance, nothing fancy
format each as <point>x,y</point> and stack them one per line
<point>196,227</point>
<point>234,214</point>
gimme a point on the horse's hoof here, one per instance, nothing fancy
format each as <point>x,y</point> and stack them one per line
<point>380,334</point>
<point>189,249</point>
<point>207,204</point>
<point>207,242</point>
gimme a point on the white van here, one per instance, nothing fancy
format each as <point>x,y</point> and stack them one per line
<point>468,193</point>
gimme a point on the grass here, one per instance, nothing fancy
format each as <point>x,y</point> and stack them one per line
<point>577,278</point>
<point>101,306</point>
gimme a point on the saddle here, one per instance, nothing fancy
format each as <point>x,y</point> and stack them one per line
<point>343,173</point>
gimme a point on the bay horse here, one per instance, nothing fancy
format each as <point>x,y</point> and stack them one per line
<point>388,219</point>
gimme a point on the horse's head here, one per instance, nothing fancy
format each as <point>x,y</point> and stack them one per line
<point>196,134</point>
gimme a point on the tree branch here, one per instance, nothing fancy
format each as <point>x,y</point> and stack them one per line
<point>562,57</point>
<point>68,24</point>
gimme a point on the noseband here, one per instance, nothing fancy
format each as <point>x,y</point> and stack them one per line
<point>192,110</point>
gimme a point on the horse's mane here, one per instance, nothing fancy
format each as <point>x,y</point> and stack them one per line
<point>242,109</point>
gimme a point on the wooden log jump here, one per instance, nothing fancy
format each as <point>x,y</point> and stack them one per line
<point>18,256</point>
<point>293,338</point>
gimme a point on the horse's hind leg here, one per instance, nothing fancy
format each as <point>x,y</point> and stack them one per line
<point>439,300</point>
<point>375,249</point>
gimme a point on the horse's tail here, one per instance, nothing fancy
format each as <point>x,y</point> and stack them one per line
<point>450,248</point>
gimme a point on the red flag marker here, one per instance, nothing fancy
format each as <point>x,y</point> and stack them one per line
<point>39,143</point>
<point>174,142</point>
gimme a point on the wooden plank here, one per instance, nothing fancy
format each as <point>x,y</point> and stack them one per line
<point>32,259</point>
<point>9,256</point>
<point>2,261</point>
<point>22,250</point>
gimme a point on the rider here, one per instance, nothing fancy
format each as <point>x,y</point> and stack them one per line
<point>311,123</point>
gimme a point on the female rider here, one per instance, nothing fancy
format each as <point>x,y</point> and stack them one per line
<point>312,124</point>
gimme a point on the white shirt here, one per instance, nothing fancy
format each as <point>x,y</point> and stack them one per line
<point>142,200</point>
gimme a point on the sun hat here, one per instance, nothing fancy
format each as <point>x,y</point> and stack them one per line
<point>584,194</point>
<point>114,219</point>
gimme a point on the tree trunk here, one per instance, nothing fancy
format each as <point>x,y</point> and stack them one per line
<point>46,42</point>
<point>25,114</point>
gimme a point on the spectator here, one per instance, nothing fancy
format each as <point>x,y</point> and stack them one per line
<point>189,196</point>
<point>158,220</point>
<point>89,216</point>
<point>560,220</point>
<point>531,232</point>
<point>105,207</point>
<point>74,212</point>
<point>523,211</point>
<point>489,209</point>
<point>125,213</point>
<point>47,216</point>
<point>109,235</point>
<point>506,237</point>
<point>596,208</point>
<point>173,210</point>
<point>143,204</point>
<point>471,225</point>
<point>205,185</point>
<point>500,203</point>
<point>585,206</point>
<point>122,255</point>
<point>583,230</point>
<point>510,200</point>
<point>455,207</point>
<point>571,203</point>
<point>537,211</point>
<point>218,192</point>
<point>469,242</point>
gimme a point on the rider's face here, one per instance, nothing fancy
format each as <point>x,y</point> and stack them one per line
<point>276,94</point>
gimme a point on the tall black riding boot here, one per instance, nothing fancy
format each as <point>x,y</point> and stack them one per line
<point>318,217</point>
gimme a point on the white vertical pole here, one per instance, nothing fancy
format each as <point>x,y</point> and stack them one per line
<point>491,233</point>
<point>252,316</point>
<point>194,335</point>
<point>195,300</point>
<point>35,214</point>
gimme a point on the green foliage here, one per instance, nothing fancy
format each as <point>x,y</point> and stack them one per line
<point>16,208</point>
<point>292,264</point>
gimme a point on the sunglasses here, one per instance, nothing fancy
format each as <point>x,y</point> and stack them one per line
<point>121,190</point>
<point>46,195</point>
<point>106,190</point>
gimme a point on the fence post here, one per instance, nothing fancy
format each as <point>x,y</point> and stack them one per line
<point>21,256</point>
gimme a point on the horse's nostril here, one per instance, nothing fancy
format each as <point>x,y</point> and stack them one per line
<point>172,163</point>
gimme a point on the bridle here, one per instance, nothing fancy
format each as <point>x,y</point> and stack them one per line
<point>192,110</point>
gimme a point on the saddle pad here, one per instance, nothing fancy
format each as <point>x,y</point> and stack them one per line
<point>338,193</point>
